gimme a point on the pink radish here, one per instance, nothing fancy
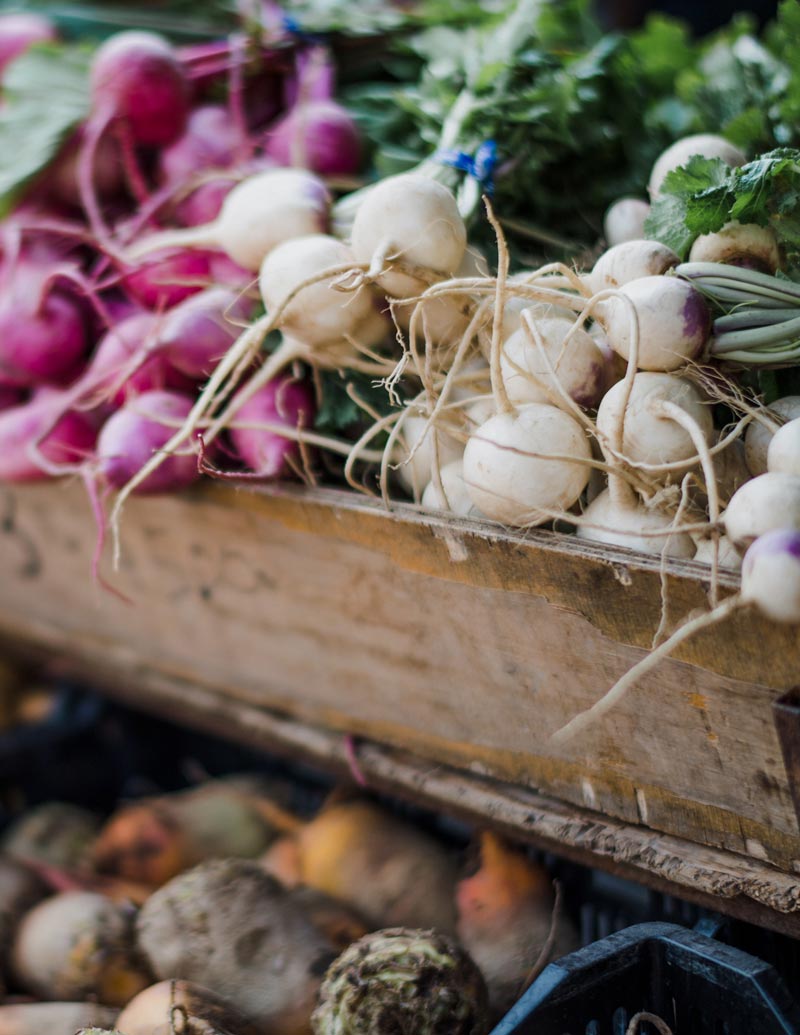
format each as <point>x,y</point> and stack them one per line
<point>70,440</point>
<point>283,402</point>
<point>19,31</point>
<point>136,77</point>
<point>196,334</point>
<point>165,278</point>
<point>129,438</point>
<point>212,140</point>
<point>316,133</point>
<point>44,332</point>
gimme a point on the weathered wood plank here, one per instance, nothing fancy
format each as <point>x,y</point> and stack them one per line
<point>711,878</point>
<point>460,642</point>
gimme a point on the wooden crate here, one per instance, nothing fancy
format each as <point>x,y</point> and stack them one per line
<point>456,641</point>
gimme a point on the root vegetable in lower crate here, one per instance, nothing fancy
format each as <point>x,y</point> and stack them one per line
<point>231,927</point>
<point>402,981</point>
<point>75,945</point>
<point>55,833</point>
<point>198,1012</point>
<point>53,1018</point>
<point>505,917</point>
<point>388,870</point>
<point>154,840</point>
<point>20,889</point>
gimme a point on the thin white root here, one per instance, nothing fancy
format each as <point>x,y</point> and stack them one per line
<point>651,1018</point>
<point>689,424</point>
<point>501,400</point>
<point>585,719</point>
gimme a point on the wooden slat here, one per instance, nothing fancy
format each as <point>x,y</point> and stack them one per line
<point>723,881</point>
<point>457,641</point>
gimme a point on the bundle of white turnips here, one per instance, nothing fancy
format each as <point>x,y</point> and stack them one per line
<point>547,395</point>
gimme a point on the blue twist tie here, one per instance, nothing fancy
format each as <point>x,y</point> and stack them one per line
<point>480,167</point>
<point>292,27</point>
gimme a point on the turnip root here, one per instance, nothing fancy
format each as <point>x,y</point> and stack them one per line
<point>759,432</point>
<point>258,214</point>
<point>770,501</point>
<point>153,840</point>
<point>624,221</point>
<point>53,1018</point>
<point>415,474</point>
<point>727,555</point>
<point>78,944</point>
<point>575,363</point>
<point>512,318</point>
<point>784,449</point>
<point>450,496</point>
<point>385,868</point>
<point>630,260</point>
<point>739,244</point>
<point>412,218</point>
<point>626,522</point>
<point>155,1011</point>
<point>320,314</point>
<point>505,915</point>
<point>706,144</point>
<point>228,926</point>
<point>55,833</point>
<point>521,468</point>
<point>401,980</point>
<point>650,436</point>
<point>771,574</point>
<point>674,322</point>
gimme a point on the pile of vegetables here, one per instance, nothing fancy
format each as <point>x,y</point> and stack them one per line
<point>217,908</point>
<point>184,293</point>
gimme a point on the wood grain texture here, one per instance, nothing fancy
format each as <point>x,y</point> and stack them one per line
<point>714,879</point>
<point>458,641</point>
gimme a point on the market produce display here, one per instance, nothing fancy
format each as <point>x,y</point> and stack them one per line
<point>191,289</point>
<point>178,905</point>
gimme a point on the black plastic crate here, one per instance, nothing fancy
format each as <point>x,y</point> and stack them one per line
<point>697,985</point>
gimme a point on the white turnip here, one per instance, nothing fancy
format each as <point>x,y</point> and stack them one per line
<point>258,214</point>
<point>575,363</point>
<point>522,468</point>
<point>708,145</point>
<point>759,432</point>
<point>414,219</point>
<point>761,505</point>
<point>624,221</point>
<point>629,261</point>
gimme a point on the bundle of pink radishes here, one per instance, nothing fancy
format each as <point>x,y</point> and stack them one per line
<point>216,909</point>
<point>101,351</point>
